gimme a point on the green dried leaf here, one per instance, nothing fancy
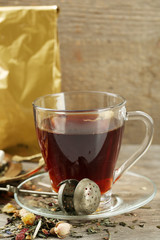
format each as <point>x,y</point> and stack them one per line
<point>107,223</point>
<point>41,235</point>
<point>141,225</point>
<point>75,235</point>
<point>131,227</point>
<point>92,230</point>
<point>122,224</point>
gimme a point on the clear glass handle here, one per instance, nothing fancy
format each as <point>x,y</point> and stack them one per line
<point>148,121</point>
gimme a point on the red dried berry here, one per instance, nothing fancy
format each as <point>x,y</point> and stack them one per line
<point>24,230</point>
<point>20,236</point>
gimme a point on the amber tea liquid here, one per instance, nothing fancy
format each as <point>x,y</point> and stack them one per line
<point>77,147</point>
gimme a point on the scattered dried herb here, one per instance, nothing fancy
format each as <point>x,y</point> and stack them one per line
<point>36,228</point>
<point>134,221</point>
<point>18,230</point>
<point>75,235</point>
<point>130,214</point>
<point>158,226</point>
<point>92,230</point>
<point>123,224</point>
<point>107,223</point>
<point>131,227</point>
<point>41,235</point>
<point>141,225</point>
<point>15,227</point>
<point>21,234</point>
<point>10,220</point>
<point>109,235</point>
<point>145,207</point>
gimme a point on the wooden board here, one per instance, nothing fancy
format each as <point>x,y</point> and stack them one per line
<point>141,223</point>
<point>111,46</point>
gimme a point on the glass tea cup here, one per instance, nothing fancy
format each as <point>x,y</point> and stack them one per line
<point>80,135</point>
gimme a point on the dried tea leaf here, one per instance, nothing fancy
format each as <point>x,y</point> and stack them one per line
<point>131,226</point>
<point>92,230</point>
<point>122,224</point>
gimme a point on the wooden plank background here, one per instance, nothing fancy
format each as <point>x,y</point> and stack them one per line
<point>111,46</point>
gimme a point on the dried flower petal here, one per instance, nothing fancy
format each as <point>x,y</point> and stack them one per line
<point>9,208</point>
<point>16,213</point>
<point>29,237</point>
<point>23,212</point>
<point>62,229</point>
<point>52,231</point>
<point>53,209</point>
<point>29,219</point>
<point>46,232</point>
<point>24,230</point>
<point>20,236</point>
<point>20,226</point>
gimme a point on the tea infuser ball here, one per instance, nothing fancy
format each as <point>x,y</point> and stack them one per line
<point>86,197</point>
<point>79,197</point>
<point>74,197</point>
<point>66,195</point>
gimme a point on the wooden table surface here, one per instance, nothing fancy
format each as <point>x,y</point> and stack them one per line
<point>142,223</point>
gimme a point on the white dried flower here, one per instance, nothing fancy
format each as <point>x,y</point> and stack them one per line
<point>27,217</point>
<point>23,212</point>
<point>62,229</point>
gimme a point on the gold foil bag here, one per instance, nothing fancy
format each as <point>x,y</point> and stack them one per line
<point>29,68</point>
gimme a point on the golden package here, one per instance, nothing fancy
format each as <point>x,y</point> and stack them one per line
<point>29,68</point>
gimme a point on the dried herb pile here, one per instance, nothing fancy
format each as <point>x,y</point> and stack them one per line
<point>21,226</point>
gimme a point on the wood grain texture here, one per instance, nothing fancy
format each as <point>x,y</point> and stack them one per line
<point>147,166</point>
<point>111,46</point>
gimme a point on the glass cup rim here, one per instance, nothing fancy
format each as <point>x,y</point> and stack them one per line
<point>118,105</point>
